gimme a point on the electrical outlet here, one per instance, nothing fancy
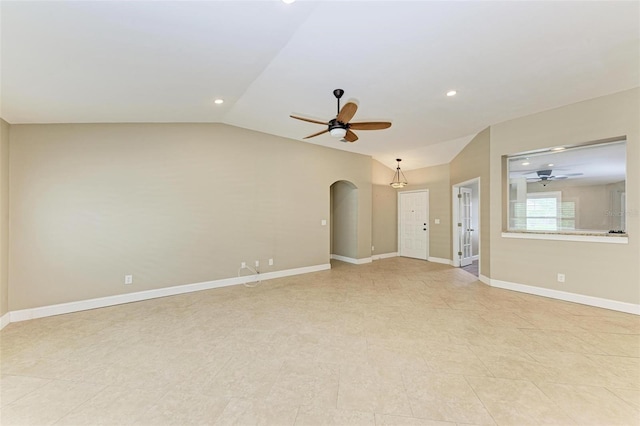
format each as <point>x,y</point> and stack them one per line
<point>560,278</point>
<point>270,262</point>
<point>373,248</point>
<point>243,265</point>
<point>128,279</point>
<point>257,263</point>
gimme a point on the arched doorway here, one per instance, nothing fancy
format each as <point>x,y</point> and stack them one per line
<point>344,221</point>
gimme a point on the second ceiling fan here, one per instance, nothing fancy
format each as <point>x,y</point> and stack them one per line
<point>340,127</point>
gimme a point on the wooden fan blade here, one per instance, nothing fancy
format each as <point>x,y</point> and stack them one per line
<point>347,112</point>
<point>316,134</point>
<point>370,125</point>
<point>310,120</point>
<point>350,136</point>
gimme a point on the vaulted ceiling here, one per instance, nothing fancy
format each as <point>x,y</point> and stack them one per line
<point>134,61</point>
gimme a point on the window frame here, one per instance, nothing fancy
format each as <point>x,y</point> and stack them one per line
<point>511,231</point>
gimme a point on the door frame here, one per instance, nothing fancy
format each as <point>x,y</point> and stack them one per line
<point>400,220</point>
<point>467,228</point>
<point>455,216</point>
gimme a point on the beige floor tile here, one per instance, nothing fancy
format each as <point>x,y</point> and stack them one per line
<point>509,363</point>
<point>448,397</point>
<point>306,383</point>
<point>113,406</point>
<point>398,353</point>
<point>256,412</point>
<point>373,389</point>
<point>397,341</point>
<point>15,387</point>
<point>311,416</point>
<point>591,405</point>
<point>561,341</point>
<point>248,377</point>
<point>592,370</point>
<point>181,408</point>
<point>613,343</point>
<point>631,396</point>
<point>48,404</point>
<point>517,402</point>
<point>389,420</point>
<point>458,359</point>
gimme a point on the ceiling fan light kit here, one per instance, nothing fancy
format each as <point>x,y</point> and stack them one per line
<point>399,180</point>
<point>340,127</point>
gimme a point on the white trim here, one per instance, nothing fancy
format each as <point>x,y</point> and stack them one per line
<point>614,239</point>
<point>440,260</point>
<point>83,305</point>
<point>5,320</point>
<point>613,305</point>
<point>455,237</point>
<point>384,256</point>
<point>476,257</point>
<point>484,279</point>
<point>351,259</point>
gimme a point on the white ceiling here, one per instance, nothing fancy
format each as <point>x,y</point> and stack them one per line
<point>588,165</point>
<point>132,61</point>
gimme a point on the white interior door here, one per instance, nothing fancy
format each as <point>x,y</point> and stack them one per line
<point>413,226</point>
<point>465,227</point>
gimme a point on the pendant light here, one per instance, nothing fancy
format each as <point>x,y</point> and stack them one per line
<point>399,180</point>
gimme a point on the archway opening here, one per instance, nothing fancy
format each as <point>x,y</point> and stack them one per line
<point>344,221</point>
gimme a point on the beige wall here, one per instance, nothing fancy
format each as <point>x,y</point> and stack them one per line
<point>436,180</point>
<point>609,271</point>
<point>4,217</point>
<point>591,201</point>
<point>169,203</point>
<point>384,230</point>
<point>473,162</point>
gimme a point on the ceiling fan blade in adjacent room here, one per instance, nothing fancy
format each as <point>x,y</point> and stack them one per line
<point>347,112</point>
<point>310,120</point>
<point>370,125</point>
<point>316,134</point>
<point>350,136</point>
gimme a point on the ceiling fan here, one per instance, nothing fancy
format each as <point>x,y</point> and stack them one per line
<point>340,127</point>
<point>545,176</point>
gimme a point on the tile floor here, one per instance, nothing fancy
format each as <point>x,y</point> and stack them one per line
<point>396,342</point>
<point>474,268</point>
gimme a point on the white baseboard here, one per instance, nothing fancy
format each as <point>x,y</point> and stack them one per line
<point>351,260</point>
<point>102,302</point>
<point>5,320</point>
<point>476,257</point>
<point>440,260</point>
<point>484,279</point>
<point>384,256</point>
<point>613,305</point>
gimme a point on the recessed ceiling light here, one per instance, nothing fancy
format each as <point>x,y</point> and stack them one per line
<point>560,148</point>
<point>218,101</point>
<point>526,163</point>
<point>451,93</point>
<point>288,1</point>
<point>550,165</point>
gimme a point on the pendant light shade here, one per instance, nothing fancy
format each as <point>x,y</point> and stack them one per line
<point>399,180</point>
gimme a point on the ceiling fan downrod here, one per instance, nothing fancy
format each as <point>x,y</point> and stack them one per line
<point>338,94</point>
